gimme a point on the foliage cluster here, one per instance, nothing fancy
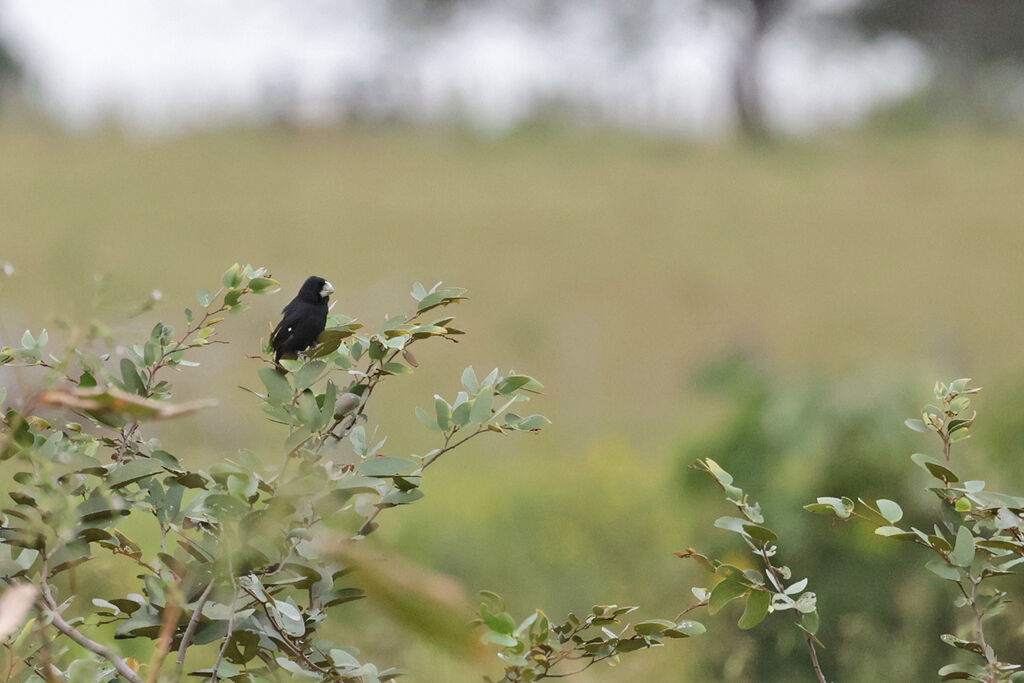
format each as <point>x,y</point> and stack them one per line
<point>241,566</point>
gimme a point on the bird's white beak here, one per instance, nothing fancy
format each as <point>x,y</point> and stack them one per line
<point>327,290</point>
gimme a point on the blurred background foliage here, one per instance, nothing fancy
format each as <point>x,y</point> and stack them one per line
<point>779,307</point>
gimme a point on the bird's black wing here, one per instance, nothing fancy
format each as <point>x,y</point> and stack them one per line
<point>282,331</point>
<point>299,328</point>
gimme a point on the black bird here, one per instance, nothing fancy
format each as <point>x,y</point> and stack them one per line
<point>304,318</point>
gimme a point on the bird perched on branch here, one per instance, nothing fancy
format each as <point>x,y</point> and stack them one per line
<point>304,318</point>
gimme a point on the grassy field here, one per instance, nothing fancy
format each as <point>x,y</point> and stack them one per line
<point>610,267</point>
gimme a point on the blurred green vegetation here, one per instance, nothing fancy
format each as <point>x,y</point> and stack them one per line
<point>849,273</point>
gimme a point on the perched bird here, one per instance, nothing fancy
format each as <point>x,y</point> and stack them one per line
<point>304,318</point>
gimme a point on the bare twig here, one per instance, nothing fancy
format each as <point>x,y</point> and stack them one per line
<point>367,527</point>
<point>231,622</point>
<point>193,623</point>
<point>49,606</point>
<point>285,638</point>
<point>447,448</point>
<point>224,647</point>
<point>814,658</point>
<point>779,585</point>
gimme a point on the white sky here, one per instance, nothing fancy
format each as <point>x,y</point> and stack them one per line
<point>161,66</point>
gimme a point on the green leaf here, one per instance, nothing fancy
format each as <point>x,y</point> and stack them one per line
<point>307,411</point>
<point>99,509</point>
<point>150,352</point>
<point>328,402</point>
<point>723,593</point>
<point>70,554</point>
<point>732,524</point>
<point>133,471</point>
<point>940,568</point>
<point>717,471</point>
<point>916,425</point>
<point>480,413</point>
<point>934,467</point>
<point>960,435</point>
<point>756,610</point>
<point>954,672</point>
<point>232,298</point>
<point>329,342</point>
<point>357,437</point>
<point>264,285</point>
<point>132,381</point>
<point>499,639</point>
<point>428,421</point>
<point>513,383</point>
<point>399,497</point>
<point>501,622</point>
<point>395,368</point>
<point>732,573</point>
<point>460,415</point>
<point>890,510</point>
<point>232,276</point>
<point>223,505</point>
<point>308,374</point>
<point>839,506</point>
<point>440,297</point>
<point>761,533</point>
<point>279,391</point>
<point>528,424</point>
<point>653,627</point>
<point>205,298</point>
<point>470,381</point>
<point>443,413</point>
<point>689,628</point>
<point>895,532</point>
<point>963,549</point>
<point>809,620</point>
<point>958,386</point>
<point>960,643</point>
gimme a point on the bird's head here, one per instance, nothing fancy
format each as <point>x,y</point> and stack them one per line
<point>316,290</point>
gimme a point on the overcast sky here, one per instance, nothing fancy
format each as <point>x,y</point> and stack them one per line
<point>162,66</point>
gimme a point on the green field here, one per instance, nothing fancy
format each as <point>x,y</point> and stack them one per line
<point>610,267</point>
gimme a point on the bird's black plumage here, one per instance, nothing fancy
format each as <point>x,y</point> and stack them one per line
<point>304,318</point>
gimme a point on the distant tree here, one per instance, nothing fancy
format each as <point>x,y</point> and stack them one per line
<point>967,41</point>
<point>10,68</point>
<point>746,85</point>
<point>961,33</point>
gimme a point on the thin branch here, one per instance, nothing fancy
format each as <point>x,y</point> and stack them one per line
<point>367,527</point>
<point>224,647</point>
<point>589,664</point>
<point>180,344</point>
<point>814,658</point>
<point>444,450</point>
<point>231,622</point>
<point>49,606</point>
<point>193,623</point>
<point>283,635</point>
<point>779,584</point>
